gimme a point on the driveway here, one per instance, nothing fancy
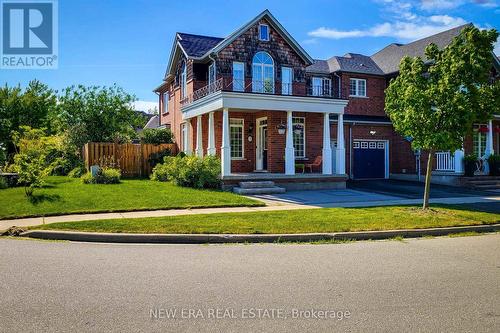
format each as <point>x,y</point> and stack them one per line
<point>429,285</point>
<point>413,190</point>
<point>386,192</point>
<point>320,197</point>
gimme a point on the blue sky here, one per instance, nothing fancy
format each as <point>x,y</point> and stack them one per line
<point>128,42</point>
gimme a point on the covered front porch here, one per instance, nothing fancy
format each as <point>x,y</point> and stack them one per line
<point>258,137</point>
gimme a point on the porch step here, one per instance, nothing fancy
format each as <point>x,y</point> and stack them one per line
<point>257,184</point>
<point>259,190</point>
<point>258,187</point>
<point>482,182</point>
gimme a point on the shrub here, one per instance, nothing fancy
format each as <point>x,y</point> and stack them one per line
<point>191,171</point>
<point>157,136</point>
<point>470,165</point>
<point>77,172</point>
<point>160,173</point>
<point>158,157</point>
<point>103,176</point>
<point>3,183</point>
<point>494,164</point>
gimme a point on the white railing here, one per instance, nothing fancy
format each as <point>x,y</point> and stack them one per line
<point>445,161</point>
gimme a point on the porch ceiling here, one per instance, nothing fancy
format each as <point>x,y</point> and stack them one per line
<point>257,102</point>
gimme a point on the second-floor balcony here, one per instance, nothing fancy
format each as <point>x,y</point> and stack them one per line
<point>268,87</point>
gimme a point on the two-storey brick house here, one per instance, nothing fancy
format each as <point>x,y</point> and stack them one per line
<point>258,101</point>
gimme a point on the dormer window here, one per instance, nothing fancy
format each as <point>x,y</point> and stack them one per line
<point>264,32</point>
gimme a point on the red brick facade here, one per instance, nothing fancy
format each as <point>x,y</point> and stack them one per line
<point>402,158</point>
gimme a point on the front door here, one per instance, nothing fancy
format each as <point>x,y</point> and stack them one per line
<point>261,145</point>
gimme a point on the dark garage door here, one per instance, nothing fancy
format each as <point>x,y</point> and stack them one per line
<point>369,159</point>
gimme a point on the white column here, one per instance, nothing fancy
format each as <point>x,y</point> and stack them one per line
<point>226,145</point>
<point>327,149</point>
<point>489,147</point>
<point>199,141</point>
<point>489,140</point>
<point>211,135</point>
<point>289,150</point>
<point>459,160</point>
<point>340,157</point>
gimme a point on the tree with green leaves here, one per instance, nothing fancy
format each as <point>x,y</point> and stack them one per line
<point>34,107</point>
<point>32,160</point>
<point>436,101</point>
<point>97,114</point>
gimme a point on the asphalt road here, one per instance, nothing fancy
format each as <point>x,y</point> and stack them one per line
<point>441,284</point>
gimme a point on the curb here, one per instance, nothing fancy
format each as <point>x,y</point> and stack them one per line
<point>242,238</point>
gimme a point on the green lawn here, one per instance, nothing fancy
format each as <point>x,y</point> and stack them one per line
<point>64,195</point>
<point>294,221</point>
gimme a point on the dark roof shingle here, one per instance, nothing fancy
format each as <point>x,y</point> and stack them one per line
<point>319,66</point>
<point>351,62</point>
<point>389,57</point>
<point>197,45</point>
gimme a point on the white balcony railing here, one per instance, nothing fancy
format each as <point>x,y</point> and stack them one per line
<point>445,161</point>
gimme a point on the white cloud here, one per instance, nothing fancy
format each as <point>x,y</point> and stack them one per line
<point>403,30</point>
<point>436,5</point>
<point>145,106</point>
<point>432,5</point>
<point>496,50</point>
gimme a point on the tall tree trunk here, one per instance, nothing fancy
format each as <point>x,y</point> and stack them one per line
<point>428,174</point>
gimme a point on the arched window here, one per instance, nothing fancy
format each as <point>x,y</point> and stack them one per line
<point>262,73</point>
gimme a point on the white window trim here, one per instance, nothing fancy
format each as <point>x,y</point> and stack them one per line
<point>322,79</point>
<point>268,32</point>
<point>242,138</point>
<point>478,144</point>
<point>291,80</point>
<point>185,138</point>
<point>305,144</point>
<point>357,88</point>
<point>243,66</point>
<point>165,100</point>
<point>262,79</point>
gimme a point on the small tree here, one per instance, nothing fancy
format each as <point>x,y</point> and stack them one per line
<point>436,102</point>
<point>31,161</point>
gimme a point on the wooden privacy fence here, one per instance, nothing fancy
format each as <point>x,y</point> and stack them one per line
<point>132,159</point>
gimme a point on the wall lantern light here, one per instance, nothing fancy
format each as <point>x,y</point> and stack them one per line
<point>281,128</point>
<point>372,132</point>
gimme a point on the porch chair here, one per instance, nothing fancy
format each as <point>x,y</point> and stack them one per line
<point>316,163</point>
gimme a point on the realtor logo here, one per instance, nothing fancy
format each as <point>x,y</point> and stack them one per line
<point>29,34</point>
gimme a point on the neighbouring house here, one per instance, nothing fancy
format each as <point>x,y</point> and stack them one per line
<point>258,101</point>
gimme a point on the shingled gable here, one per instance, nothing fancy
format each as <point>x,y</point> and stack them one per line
<point>199,47</point>
<point>277,27</point>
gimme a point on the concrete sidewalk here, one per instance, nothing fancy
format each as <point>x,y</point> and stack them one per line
<point>271,206</point>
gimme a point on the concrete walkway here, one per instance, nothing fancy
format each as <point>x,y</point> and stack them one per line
<point>357,199</point>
